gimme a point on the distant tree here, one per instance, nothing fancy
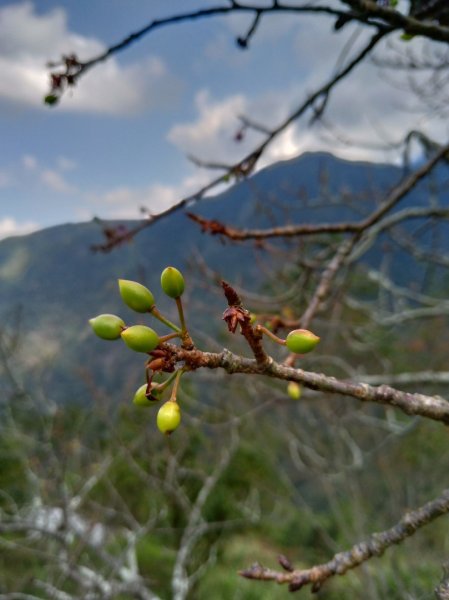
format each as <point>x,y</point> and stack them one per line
<point>330,274</point>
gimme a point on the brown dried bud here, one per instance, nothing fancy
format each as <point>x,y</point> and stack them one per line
<point>285,563</point>
<point>235,315</point>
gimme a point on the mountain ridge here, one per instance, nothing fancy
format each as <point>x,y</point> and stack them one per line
<point>59,283</point>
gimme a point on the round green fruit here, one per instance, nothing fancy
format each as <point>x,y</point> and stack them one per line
<point>172,282</point>
<point>135,295</point>
<point>140,338</point>
<point>107,327</point>
<point>168,417</point>
<point>301,341</point>
<point>294,390</point>
<point>141,398</point>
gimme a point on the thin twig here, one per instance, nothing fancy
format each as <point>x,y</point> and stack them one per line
<point>248,163</point>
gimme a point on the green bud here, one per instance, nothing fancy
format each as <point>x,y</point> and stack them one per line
<point>301,341</point>
<point>107,327</point>
<point>168,417</point>
<point>141,399</point>
<point>172,282</point>
<point>406,37</point>
<point>140,338</point>
<point>51,99</point>
<point>136,296</point>
<point>294,390</point>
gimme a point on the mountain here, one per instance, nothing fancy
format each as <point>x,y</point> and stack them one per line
<point>58,282</point>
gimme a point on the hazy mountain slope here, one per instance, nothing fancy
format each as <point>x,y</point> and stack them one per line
<point>56,279</point>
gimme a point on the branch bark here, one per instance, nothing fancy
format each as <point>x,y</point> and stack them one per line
<point>342,562</point>
<point>435,408</point>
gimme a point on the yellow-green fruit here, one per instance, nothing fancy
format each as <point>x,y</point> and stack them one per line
<point>252,318</point>
<point>140,338</point>
<point>301,341</point>
<point>135,295</point>
<point>294,390</point>
<point>168,417</point>
<point>141,399</point>
<point>172,282</point>
<point>107,327</point>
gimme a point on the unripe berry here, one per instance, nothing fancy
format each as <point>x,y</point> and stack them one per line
<point>294,390</point>
<point>135,295</point>
<point>140,338</point>
<point>301,341</point>
<point>141,399</point>
<point>168,417</point>
<point>172,282</point>
<point>107,327</point>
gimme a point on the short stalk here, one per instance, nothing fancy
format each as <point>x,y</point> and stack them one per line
<point>154,311</point>
<point>170,336</point>
<point>164,385</point>
<point>187,340</point>
<point>174,391</point>
<point>271,335</point>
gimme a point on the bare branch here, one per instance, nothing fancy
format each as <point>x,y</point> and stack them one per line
<point>375,545</point>
<point>398,193</point>
<point>326,280</point>
<point>397,20</point>
<point>431,407</point>
<point>442,591</point>
<point>246,166</point>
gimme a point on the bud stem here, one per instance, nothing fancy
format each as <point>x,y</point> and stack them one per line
<point>154,311</point>
<point>186,339</point>
<point>174,391</point>
<point>170,336</point>
<point>164,385</point>
<point>271,335</point>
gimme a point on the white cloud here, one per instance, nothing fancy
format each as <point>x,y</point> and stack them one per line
<point>126,202</point>
<point>5,179</point>
<point>28,40</point>
<point>210,135</point>
<point>9,227</point>
<point>365,112</point>
<point>65,164</point>
<point>29,162</point>
<point>56,182</point>
<point>52,178</point>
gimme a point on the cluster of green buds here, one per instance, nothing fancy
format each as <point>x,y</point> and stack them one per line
<point>141,338</point>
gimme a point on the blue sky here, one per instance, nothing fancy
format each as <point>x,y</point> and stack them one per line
<point>120,139</point>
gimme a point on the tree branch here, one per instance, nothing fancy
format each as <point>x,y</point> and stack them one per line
<point>432,407</point>
<point>398,193</point>
<point>245,166</point>
<point>375,545</point>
